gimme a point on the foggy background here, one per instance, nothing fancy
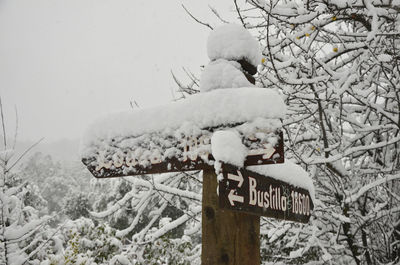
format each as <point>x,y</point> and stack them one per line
<point>65,63</point>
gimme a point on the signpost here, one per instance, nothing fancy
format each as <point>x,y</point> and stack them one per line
<point>246,191</point>
<point>230,219</point>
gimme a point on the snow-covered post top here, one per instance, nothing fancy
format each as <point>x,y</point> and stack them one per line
<point>234,56</point>
<point>232,42</point>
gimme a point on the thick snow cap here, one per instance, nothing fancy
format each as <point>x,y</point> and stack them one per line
<point>227,146</point>
<point>222,74</point>
<point>203,110</point>
<point>233,42</point>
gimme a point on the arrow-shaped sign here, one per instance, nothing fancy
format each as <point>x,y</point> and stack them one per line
<point>233,197</point>
<point>249,192</point>
<point>237,177</point>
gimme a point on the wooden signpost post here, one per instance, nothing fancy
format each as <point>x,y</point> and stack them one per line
<point>228,237</point>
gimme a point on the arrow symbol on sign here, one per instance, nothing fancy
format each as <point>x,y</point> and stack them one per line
<point>233,197</point>
<point>268,152</point>
<point>237,177</point>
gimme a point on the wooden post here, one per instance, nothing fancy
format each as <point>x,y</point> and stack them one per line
<point>227,237</point>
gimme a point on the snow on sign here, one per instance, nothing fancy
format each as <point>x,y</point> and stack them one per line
<point>247,191</point>
<point>176,137</point>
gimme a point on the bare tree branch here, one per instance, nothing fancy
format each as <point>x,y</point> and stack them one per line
<point>197,20</point>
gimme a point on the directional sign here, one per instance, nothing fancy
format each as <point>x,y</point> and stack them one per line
<point>188,152</point>
<point>246,191</point>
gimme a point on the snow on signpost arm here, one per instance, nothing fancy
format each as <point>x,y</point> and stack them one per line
<point>176,137</point>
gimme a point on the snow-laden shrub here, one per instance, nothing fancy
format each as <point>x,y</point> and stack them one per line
<point>82,242</point>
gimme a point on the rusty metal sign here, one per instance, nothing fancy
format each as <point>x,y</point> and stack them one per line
<point>170,153</point>
<point>246,191</point>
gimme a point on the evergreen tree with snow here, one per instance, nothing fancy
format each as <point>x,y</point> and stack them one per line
<point>23,227</point>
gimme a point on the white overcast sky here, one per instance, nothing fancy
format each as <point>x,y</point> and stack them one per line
<point>63,63</point>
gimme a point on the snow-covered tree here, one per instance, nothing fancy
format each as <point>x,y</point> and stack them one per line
<point>140,204</point>
<point>77,206</point>
<point>81,241</point>
<point>337,65</point>
<point>23,227</point>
